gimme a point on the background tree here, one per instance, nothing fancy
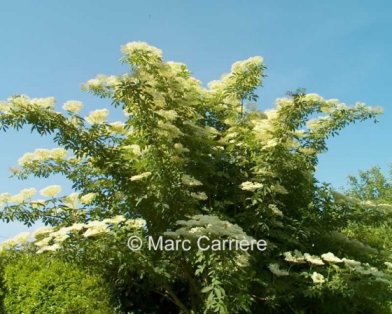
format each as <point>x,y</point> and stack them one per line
<point>373,187</point>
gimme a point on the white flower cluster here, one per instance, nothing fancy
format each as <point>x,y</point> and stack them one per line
<point>73,106</point>
<point>22,196</point>
<point>201,196</point>
<point>96,228</point>
<point>43,155</point>
<point>113,80</point>
<point>331,258</point>
<point>51,191</point>
<point>312,97</point>
<point>190,181</point>
<point>275,269</point>
<point>169,130</point>
<point>367,270</point>
<point>138,47</point>
<point>49,239</point>
<point>104,82</point>
<point>71,200</point>
<point>23,101</point>
<point>177,67</point>
<point>245,65</point>
<point>88,198</point>
<point>263,131</point>
<point>247,72</point>
<point>313,100</point>
<point>4,107</point>
<point>97,116</point>
<point>313,259</point>
<point>283,102</point>
<point>44,103</point>
<point>169,115</point>
<point>180,148</point>
<point>251,186</point>
<point>133,148</point>
<point>5,198</point>
<point>351,262</point>
<point>270,144</point>
<point>20,239</point>
<point>296,257</point>
<point>317,278</point>
<point>317,124</point>
<point>209,225</point>
<point>275,210</point>
<point>140,176</point>
<point>95,83</point>
<point>117,127</point>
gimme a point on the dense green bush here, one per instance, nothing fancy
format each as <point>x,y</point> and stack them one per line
<point>41,285</point>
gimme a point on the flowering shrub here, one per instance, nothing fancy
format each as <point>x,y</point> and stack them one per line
<point>188,161</point>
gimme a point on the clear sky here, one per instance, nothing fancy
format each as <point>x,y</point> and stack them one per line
<point>338,49</point>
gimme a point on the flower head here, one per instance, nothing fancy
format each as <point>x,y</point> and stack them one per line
<point>25,159</point>
<point>133,148</point>
<point>117,127</point>
<point>140,176</point>
<point>98,116</point>
<point>96,228</point>
<point>58,153</point>
<point>44,103</point>
<point>73,106</point>
<point>167,114</point>
<point>317,278</point>
<point>50,248</point>
<point>296,257</point>
<point>43,242</point>
<point>201,196</point>
<point>51,191</point>
<point>331,258</point>
<point>351,262</point>
<point>5,198</point>
<point>190,181</point>
<point>138,47</point>
<point>251,186</point>
<point>28,193</point>
<point>76,227</point>
<point>71,200</point>
<point>41,154</point>
<point>88,198</point>
<point>115,220</point>
<point>22,237</point>
<point>42,231</point>
<point>312,259</point>
<point>275,269</point>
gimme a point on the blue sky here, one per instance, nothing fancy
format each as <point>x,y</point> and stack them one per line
<point>338,49</point>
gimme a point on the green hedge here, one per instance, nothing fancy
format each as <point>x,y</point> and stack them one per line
<point>35,284</point>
